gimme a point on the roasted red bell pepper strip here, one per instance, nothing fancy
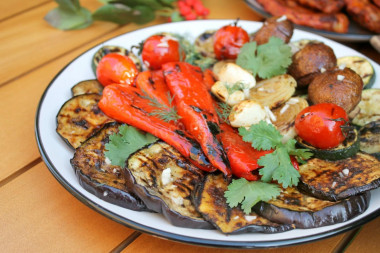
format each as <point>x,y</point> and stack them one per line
<point>153,83</point>
<point>128,105</point>
<point>242,156</point>
<point>195,106</point>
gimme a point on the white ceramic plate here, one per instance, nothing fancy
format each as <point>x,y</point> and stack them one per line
<point>56,153</point>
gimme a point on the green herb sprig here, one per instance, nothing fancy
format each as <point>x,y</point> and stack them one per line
<point>276,166</point>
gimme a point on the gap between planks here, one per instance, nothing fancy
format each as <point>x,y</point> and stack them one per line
<point>346,241</point>
<point>21,171</point>
<point>131,238</point>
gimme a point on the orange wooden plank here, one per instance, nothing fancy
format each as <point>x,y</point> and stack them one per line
<point>10,8</point>
<point>147,244</point>
<point>28,41</point>
<point>39,215</point>
<point>367,239</point>
<point>227,9</point>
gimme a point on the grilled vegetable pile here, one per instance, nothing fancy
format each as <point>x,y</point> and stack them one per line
<point>240,133</point>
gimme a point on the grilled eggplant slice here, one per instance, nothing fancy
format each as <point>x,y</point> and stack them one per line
<point>87,87</point>
<point>336,180</point>
<point>370,138</point>
<point>293,207</point>
<point>98,176</point>
<point>79,118</point>
<point>164,180</point>
<point>210,202</point>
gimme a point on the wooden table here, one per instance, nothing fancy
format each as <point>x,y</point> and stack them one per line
<point>36,213</point>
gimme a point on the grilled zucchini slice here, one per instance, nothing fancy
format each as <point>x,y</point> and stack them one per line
<point>87,87</point>
<point>336,180</point>
<point>164,180</point>
<point>370,138</point>
<point>361,66</point>
<point>369,107</point>
<point>117,50</point>
<point>210,201</point>
<point>79,118</point>
<point>294,207</point>
<point>98,176</point>
<point>349,147</point>
<point>274,91</point>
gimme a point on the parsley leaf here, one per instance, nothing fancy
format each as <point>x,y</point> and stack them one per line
<point>266,60</point>
<point>121,145</point>
<point>276,165</point>
<point>249,193</point>
<point>262,136</point>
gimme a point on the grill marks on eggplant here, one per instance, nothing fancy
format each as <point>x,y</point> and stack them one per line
<point>335,180</point>
<point>100,178</point>
<point>293,207</point>
<point>210,201</point>
<point>164,180</point>
<point>79,118</point>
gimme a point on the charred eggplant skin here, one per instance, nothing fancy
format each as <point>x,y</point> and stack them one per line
<point>154,202</point>
<point>110,194</point>
<point>99,178</point>
<point>337,213</point>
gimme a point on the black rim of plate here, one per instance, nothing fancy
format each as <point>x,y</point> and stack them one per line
<point>165,234</point>
<point>363,36</point>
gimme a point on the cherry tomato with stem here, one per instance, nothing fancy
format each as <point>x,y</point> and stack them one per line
<point>320,125</point>
<point>115,68</point>
<point>228,40</point>
<point>160,49</point>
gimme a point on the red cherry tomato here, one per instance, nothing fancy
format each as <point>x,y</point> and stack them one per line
<point>319,125</point>
<point>160,49</point>
<point>228,40</point>
<point>116,68</point>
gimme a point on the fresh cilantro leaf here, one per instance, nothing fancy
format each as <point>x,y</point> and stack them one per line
<point>266,60</point>
<point>262,136</point>
<point>249,193</point>
<point>121,145</point>
<point>277,166</point>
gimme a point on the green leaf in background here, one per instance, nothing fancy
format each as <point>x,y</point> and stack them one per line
<point>153,4</point>
<point>122,14</point>
<point>69,15</point>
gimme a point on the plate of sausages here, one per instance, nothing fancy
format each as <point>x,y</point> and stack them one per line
<point>342,20</point>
